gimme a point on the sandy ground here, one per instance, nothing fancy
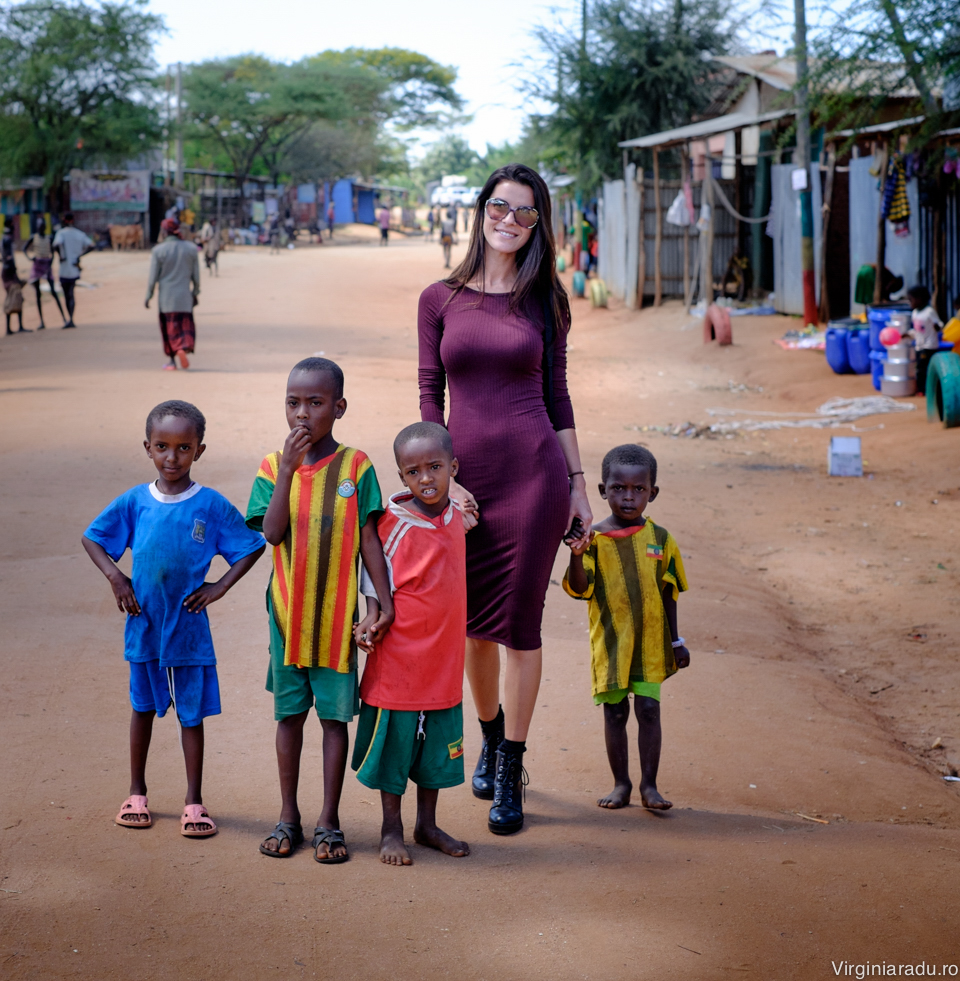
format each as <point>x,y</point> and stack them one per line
<point>805,693</point>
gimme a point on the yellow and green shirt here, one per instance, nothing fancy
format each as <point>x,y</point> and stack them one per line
<point>312,594</point>
<point>629,634</point>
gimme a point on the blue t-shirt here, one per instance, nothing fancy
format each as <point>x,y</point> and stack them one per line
<point>173,541</point>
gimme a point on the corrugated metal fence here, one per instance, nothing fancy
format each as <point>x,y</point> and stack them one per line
<point>619,215</point>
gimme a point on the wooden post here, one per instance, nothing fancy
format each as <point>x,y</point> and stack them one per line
<point>938,297</point>
<point>642,261</point>
<point>881,230</point>
<point>684,176</point>
<point>824,231</point>
<point>658,234</point>
<point>706,238</point>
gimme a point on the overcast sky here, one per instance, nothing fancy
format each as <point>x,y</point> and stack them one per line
<point>485,42</point>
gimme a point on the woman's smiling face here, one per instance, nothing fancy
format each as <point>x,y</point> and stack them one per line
<point>506,235</point>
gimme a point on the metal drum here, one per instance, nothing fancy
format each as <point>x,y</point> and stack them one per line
<point>901,360</point>
<point>900,370</point>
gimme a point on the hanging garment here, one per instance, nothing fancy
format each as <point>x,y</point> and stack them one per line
<point>677,213</point>
<point>899,206</point>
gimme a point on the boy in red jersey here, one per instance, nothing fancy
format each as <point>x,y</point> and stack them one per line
<point>411,717</point>
<point>314,503</point>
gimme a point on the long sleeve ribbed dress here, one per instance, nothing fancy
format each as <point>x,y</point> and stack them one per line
<point>509,454</point>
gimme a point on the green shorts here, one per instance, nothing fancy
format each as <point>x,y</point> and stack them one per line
<point>296,690</point>
<point>387,751</point>
<point>648,689</point>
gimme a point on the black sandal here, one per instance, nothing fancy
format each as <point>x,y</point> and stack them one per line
<point>284,831</point>
<point>330,837</point>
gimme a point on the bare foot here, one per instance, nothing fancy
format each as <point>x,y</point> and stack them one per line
<point>135,818</point>
<point>393,851</point>
<point>618,797</point>
<point>272,845</point>
<point>435,838</point>
<point>651,799</point>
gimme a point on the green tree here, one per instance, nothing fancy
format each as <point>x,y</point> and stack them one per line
<point>249,108</point>
<point>883,49</point>
<point>451,154</point>
<point>641,66</point>
<point>77,86</point>
<point>418,92</point>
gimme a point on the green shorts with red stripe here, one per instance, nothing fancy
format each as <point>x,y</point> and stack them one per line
<point>394,746</point>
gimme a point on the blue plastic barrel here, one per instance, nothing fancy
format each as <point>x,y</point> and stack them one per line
<point>836,350</point>
<point>858,351</point>
<point>876,366</point>
<point>877,317</point>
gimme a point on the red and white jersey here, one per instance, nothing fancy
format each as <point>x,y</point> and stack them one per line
<point>419,663</point>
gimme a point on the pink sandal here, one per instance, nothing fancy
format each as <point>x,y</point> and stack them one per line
<point>134,805</point>
<point>196,814</point>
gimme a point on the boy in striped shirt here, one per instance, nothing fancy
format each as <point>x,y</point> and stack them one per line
<point>631,574</point>
<point>317,503</point>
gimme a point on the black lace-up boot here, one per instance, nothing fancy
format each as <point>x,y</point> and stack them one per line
<point>506,815</point>
<point>483,775</point>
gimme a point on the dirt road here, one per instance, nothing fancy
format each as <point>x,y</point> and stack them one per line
<point>805,693</point>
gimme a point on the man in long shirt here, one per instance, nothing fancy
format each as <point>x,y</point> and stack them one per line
<point>175,266</point>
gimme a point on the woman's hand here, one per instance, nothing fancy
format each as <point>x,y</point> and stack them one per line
<point>468,504</point>
<point>580,508</point>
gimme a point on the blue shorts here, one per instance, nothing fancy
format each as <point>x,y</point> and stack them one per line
<point>193,690</point>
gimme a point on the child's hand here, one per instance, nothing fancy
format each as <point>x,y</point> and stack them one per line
<point>682,656</point>
<point>123,591</point>
<point>295,448</point>
<point>201,598</point>
<point>471,513</point>
<point>381,625</point>
<point>579,545</point>
<point>363,632</point>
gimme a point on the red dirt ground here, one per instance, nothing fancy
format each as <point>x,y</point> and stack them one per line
<point>805,693</point>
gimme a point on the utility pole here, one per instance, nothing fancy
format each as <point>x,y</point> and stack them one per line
<point>810,315</point>
<point>166,131</point>
<point>179,177</point>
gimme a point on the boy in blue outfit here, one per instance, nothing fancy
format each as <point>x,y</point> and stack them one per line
<point>173,528</point>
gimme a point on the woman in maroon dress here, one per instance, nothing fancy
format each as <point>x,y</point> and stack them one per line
<point>495,332</point>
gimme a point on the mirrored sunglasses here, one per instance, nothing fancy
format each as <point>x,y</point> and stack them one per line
<point>498,209</point>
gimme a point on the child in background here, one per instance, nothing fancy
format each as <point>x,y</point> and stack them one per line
<point>314,503</point>
<point>631,574</point>
<point>174,528</point>
<point>925,324</point>
<point>951,331</point>
<point>411,718</point>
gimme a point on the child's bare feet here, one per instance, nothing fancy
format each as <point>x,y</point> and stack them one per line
<point>433,837</point>
<point>651,799</point>
<point>618,797</point>
<point>393,851</point>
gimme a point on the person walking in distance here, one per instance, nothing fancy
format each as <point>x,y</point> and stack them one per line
<point>496,330</point>
<point>42,267</point>
<point>384,219</point>
<point>71,244</point>
<point>331,215</point>
<point>448,232</point>
<point>175,266</point>
<point>12,284</point>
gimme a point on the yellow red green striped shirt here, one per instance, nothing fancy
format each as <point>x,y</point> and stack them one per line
<point>313,588</point>
<point>629,634</point>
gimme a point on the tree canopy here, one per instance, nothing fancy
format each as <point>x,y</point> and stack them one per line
<point>882,49</point>
<point>77,86</point>
<point>323,116</point>
<point>640,67</point>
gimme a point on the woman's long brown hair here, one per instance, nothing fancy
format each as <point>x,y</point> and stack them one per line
<point>536,262</point>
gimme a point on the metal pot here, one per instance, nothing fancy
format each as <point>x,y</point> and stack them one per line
<point>898,386</point>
